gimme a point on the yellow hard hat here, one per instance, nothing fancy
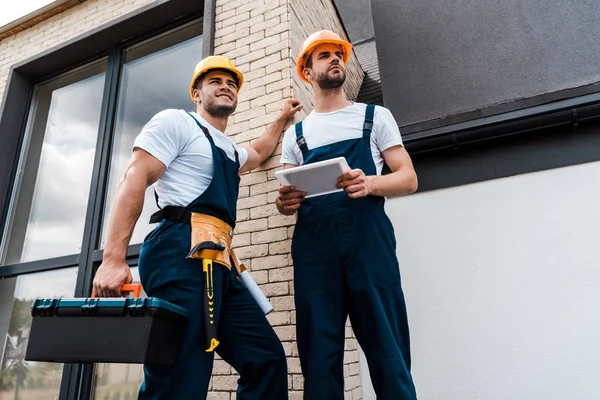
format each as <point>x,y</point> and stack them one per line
<point>316,39</point>
<point>215,62</point>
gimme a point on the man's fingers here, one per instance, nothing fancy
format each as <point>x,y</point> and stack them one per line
<point>355,173</point>
<point>286,189</point>
<point>290,201</point>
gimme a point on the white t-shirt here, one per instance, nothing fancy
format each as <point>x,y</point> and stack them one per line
<point>174,138</point>
<point>321,129</point>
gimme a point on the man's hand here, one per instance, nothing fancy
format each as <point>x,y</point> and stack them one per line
<point>355,183</point>
<point>288,110</point>
<point>289,199</point>
<point>111,275</point>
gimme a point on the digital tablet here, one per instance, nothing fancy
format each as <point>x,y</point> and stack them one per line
<point>315,179</point>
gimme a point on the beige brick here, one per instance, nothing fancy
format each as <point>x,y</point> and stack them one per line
<point>269,236</point>
<point>264,80</point>
<point>287,348</point>
<point>271,162</point>
<point>287,333</point>
<point>248,252</point>
<point>243,215</point>
<point>253,113</point>
<point>294,364</point>
<point>280,27</point>
<point>239,17</point>
<point>251,5</point>
<point>284,303</point>
<point>281,275</point>
<point>253,178</point>
<point>263,121</point>
<point>252,56</point>
<point>266,42</point>
<point>275,289</point>
<point>264,187</point>
<point>232,5</point>
<point>263,211</point>
<point>224,48</point>
<point>253,201</point>
<point>351,344</point>
<point>352,382</point>
<point>270,262</point>
<point>266,62</point>
<point>261,277</point>
<point>277,66</point>
<point>254,75</point>
<point>244,191</point>
<point>223,32</point>
<point>281,220</point>
<point>220,367</point>
<point>233,52</point>
<point>296,396</point>
<point>238,34</point>
<point>279,85</point>
<point>290,232</point>
<point>298,382</point>
<point>218,396</point>
<point>240,240</point>
<point>224,382</point>
<point>251,226</point>
<point>251,22</point>
<point>357,393</point>
<point>249,39</point>
<point>251,94</point>
<point>283,247</point>
<point>279,318</point>
<point>354,369</point>
<point>277,11</point>
<point>267,24</point>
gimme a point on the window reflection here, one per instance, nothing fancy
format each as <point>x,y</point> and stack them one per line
<point>20,379</point>
<point>56,167</point>
<point>155,77</point>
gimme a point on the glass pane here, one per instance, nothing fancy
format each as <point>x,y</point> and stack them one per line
<point>156,76</point>
<point>20,379</point>
<point>49,206</point>
<point>119,381</point>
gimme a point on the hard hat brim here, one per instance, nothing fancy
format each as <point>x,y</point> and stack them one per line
<point>346,46</point>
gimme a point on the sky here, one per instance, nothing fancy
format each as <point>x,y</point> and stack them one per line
<point>13,10</point>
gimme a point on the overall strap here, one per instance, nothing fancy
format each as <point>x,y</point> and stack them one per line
<point>207,134</point>
<point>368,124</point>
<point>301,141</point>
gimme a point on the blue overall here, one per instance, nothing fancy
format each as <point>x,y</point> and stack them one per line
<point>247,340</point>
<point>344,253</point>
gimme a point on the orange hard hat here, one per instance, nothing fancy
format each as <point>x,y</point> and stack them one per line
<point>316,39</point>
<point>215,62</point>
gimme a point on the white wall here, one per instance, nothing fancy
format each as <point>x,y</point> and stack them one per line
<point>502,280</point>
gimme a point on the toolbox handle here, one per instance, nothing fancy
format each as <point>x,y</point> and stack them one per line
<point>135,288</point>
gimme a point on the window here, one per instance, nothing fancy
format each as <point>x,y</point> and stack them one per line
<point>20,379</point>
<point>77,141</point>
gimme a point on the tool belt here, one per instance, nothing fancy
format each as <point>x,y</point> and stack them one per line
<point>210,237</point>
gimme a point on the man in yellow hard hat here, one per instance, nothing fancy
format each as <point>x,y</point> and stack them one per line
<point>187,259</point>
<point>344,246</point>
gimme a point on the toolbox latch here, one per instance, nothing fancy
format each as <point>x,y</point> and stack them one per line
<point>90,305</point>
<point>43,307</point>
<point>137,307</point>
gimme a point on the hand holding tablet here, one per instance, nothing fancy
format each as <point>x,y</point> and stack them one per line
<point>315,179</point>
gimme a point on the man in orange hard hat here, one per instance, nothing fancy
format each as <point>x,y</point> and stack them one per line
<point>187,259</point>
<point>344,249</point>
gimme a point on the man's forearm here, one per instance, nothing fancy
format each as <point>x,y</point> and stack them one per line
<point>127,207</point>
<point>266,144</point>
<point>398,183</point>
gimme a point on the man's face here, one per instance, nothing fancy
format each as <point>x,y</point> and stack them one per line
<point>217,93</point>
<point>328,69</point>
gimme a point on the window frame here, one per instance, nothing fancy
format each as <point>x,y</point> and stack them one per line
<point>109,40</point>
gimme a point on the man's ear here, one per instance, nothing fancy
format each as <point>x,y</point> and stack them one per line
<point>307,73</point>
<point>197,96</point>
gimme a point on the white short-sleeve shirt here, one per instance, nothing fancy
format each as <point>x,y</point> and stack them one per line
<point>173,137</point>
<point>321,129</point>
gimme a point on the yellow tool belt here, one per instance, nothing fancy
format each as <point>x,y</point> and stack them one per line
<point>206,230</point>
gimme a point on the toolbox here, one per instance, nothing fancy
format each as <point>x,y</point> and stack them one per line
<point>106,330</point>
